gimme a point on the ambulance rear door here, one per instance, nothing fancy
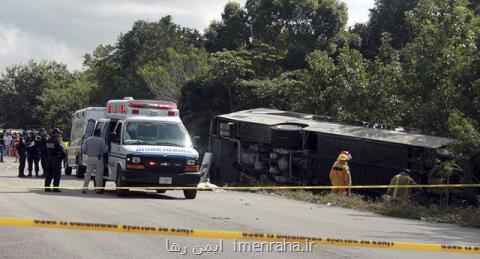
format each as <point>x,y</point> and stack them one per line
<point>115,157</point>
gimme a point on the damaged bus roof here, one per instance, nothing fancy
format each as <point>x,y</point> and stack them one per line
<point>275,117</point>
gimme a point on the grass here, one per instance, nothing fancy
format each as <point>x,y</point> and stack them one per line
<point>464,216</point>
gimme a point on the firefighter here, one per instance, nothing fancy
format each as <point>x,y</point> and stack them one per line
<point>340,174</point>
<point>398,193</point>
<point>54,156</point>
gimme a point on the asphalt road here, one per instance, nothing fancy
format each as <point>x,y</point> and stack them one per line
<point>230,211</point>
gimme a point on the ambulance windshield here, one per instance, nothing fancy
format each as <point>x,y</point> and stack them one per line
<point>157,134</point>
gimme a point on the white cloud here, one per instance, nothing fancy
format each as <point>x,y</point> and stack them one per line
<point>17,46</point>
<point>358,10</point>
<point>8,39</point>
<point>139,9</point>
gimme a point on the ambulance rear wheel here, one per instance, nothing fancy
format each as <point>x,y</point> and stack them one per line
<point>190,194</point>
<point>120,183</point>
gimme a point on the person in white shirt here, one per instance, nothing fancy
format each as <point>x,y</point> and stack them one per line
<point>7,140</point>
<point>95,148</point>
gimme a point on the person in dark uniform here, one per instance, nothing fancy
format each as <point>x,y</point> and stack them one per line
<point>43,137</point>
<point>54,156</point>
<point>2,148</point>
<point>33,155</point>
<point>22,153</point>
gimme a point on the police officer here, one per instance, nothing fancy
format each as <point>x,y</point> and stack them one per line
<point>33,155</point>
<point>22,153</point>
<point>2,147</point>
<point>43,137</point>
<point>54,156</point>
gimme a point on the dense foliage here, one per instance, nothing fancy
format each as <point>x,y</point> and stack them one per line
<point>414,63</point>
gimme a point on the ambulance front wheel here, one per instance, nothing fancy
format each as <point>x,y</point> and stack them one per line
<point>190,194</point>
<point>120,183</point>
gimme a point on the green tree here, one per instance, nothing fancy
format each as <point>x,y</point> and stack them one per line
<point>221,88</point>
<point>62,97</point>
<point>351,87</point>
<point>442,51</point>
<point>288,91</point>
<point>390,97</point>
<point>475,6</point>
<point>287,21</point>
<point>103,68</point>
<point>297,27</point>
<point>166,77</point>
<point>116,68</point>
<point>322,69</point>
<point>20,89</point>
<point>467,141</point>
<point>232,33</point>
<point>361,30</point>
<point>388,16</point>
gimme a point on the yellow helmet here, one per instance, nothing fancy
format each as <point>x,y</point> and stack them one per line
<point>342,157</point>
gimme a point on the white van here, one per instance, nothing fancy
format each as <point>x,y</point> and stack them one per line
<point>148,146</point>
<point>83,123</point>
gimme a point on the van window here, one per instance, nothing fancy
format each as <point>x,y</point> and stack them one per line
<point>156,133</point>
<point>99,125</point>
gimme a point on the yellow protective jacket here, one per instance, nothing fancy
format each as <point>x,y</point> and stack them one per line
<point>398,192</point>
<point>340,176</point>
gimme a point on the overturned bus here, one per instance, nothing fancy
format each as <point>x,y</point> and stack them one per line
<point>299,149</point>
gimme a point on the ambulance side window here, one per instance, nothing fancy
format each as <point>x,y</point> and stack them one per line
<point>118,133</point>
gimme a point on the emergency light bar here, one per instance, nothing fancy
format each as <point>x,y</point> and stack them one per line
<point>160,105</point>
<point>128,107</point>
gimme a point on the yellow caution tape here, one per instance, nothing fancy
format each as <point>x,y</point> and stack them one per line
<point>238,188</point>
<point>265,237</point>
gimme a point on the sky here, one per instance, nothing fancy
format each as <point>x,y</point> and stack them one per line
<point>65,30</point>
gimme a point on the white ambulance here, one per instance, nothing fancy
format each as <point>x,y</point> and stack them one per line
<point>148,146</point>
